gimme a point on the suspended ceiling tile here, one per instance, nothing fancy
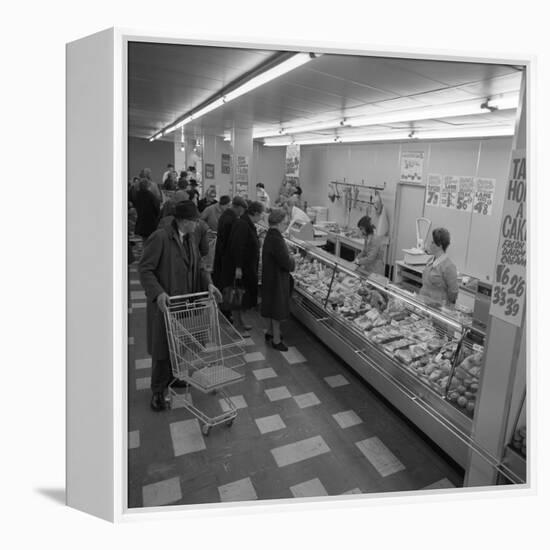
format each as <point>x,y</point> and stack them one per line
<point>451,73</point>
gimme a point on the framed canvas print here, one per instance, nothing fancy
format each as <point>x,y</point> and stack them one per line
<point>337,312</point>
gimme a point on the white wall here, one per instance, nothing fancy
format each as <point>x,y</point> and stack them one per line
<point>269,168</point>
<point>474,237</point>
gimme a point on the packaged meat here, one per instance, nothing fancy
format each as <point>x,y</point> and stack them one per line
<point>404,355</point>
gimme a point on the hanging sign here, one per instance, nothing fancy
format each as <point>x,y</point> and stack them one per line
<point>433,190</point>
<point>226,163</point>
<point>509,287</point>
<point>484,193</point>
<point>412,166</point>
<point>465,197</point>
<point>292,161</point>
<point>241,172</point>
<point>209,171</point>
<point>449,192</point>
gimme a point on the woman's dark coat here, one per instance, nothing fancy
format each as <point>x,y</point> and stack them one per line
<point>222,238</point>
<point>242,250</point>
<point>276,279</point>
<point>148,208</point>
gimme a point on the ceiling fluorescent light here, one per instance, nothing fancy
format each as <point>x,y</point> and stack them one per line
<point>487,131</point>
<point>505,101</point>
<point>465,108</point>
<point>315,126</point>
<point>282,68</point>
<point>292,63</point>
<point>266,133</point>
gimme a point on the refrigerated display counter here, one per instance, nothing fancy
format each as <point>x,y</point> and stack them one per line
<point>425,360</point>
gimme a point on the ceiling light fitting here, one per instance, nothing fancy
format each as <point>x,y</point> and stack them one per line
<point>278,70</point>
<point>479,132</point>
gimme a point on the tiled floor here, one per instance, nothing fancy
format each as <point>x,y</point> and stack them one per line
<point>306,426</point>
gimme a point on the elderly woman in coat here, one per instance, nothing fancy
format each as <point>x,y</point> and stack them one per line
<point>170,266</point>
<point>276,279</point>
<point>240,261</point>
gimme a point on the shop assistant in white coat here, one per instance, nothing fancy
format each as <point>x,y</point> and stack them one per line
<point>439,278</point>
<point>371,258</point>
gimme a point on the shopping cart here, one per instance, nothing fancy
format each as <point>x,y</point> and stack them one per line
<point>205,350</point>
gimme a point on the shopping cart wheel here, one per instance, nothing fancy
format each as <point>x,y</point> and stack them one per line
<point>205,429</point>
<point>229,422</point>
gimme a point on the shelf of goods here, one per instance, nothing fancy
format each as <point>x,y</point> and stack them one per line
<point>426,362</point>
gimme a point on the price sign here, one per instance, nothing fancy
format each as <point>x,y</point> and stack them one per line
<point>484,192</point>
<point>433,190</point>
<point>510,286</point>
<point>465,197</point>
<point>449,192</point>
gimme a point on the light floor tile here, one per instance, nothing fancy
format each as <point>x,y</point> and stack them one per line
<point>249,341</point>
<point>346,419</point>
<point>137,294</point>
<point>130,340</point>
<point>306,400</point>
<point>353,492</point>
<point>385,462</point>
<point>276,394</point>
<point>270,424</point>
<point>186,437</point>
<point>441,484</point>
<point>293,356</point>
<point>135,282</point>
<point>163,492</point>
<point>139,305</point>
<point>263,374</point>
<point>255,356</point>
<point>133,439</point>
<point>336,381</point>
<point>130,311</point>
<point>237,400</point>
<point>301,450</point>
<point>143,363</point>
<point>238,491</point>
<point>311,488</point>
<point>143,383</point>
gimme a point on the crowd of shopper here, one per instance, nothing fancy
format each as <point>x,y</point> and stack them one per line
<point>180,230</point>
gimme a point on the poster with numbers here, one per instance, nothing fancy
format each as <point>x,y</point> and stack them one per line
<point>433,190</point>
<point>412,166</point>
<point>449,192</point>
<point>465,197</point>
<point>484,195</point>
<point>509,283</point>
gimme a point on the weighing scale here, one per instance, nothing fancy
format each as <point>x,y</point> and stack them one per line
<point>417,255</point>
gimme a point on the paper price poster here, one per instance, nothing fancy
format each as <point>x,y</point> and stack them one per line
<point>226,163</point>
<point>433,190</point>
<point>465,198</point>
<point>484,195</point>
<point>242,170</point>
<point>412,166</point>
<point>292,160</point>
<point>510,285</point>
<point>209,171</point>
<point>449,192</point>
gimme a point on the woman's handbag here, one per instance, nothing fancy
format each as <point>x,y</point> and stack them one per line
<point>233,297</point>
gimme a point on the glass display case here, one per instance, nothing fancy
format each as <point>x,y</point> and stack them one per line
<point>431,355</point>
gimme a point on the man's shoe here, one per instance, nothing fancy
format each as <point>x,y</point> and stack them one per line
<point>157,402</point>
<point>247,327</point>
<point>280,346</point>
